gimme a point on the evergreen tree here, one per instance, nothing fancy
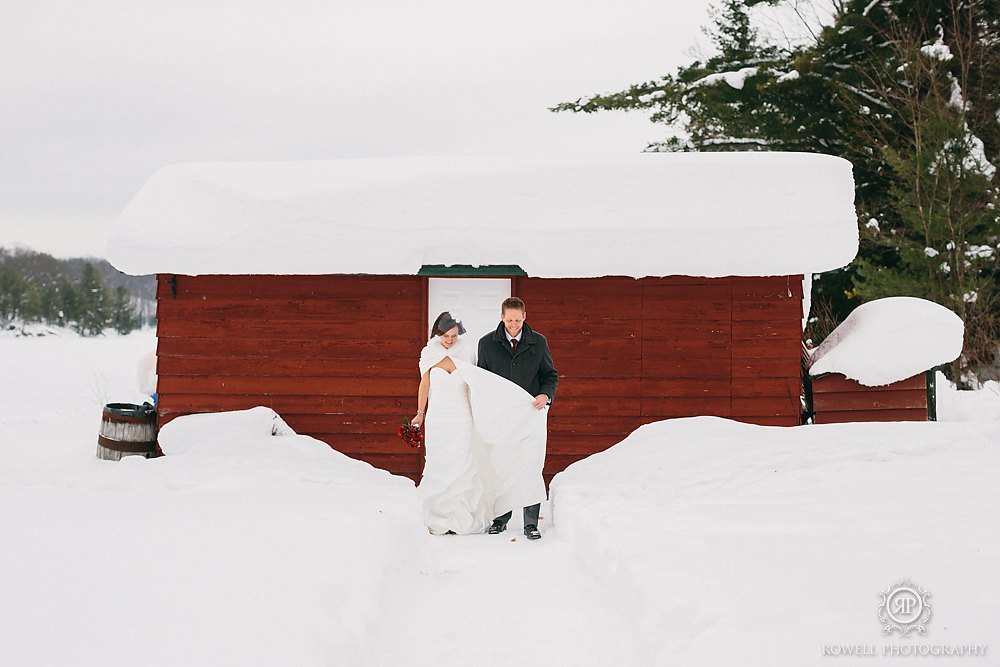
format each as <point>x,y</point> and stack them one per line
<point>876,87</point>
<point>94,313</point>
<point>12,294</point>
<point>123,316</point>
<point>48,302</point>
<point>939,211</point>
<point>32,310</point>
<point>50,290</point>
<point>68,299</point>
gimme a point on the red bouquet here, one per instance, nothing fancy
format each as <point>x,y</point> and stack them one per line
<point>411,435</point>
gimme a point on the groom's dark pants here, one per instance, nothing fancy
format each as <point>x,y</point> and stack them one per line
<point>530,515</point>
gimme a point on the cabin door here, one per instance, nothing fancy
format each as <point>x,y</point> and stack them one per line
<point>474,301</point>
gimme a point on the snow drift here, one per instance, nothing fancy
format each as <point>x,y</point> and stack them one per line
<point>245,544</point>
<point>735,544</point>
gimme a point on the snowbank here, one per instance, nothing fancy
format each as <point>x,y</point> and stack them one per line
<point>648,214</point>
<point>240,546</point>
<point>888,340</point>
<point>21,329</point>
<point>145,374</point>
<point>955,405</point>
<point>733,544</point>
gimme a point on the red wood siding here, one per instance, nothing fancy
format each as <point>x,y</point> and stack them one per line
<point>837,400</point>
<point>336,355</point>
<point>630,352</point>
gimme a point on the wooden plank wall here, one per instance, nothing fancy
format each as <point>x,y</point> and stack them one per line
<point>837,400</point>
<point>594,329</point>
<point>767,350</point>
<point>630,352</point>
<point>335,356</point>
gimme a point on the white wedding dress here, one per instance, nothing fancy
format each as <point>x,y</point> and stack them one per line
<point>484,444</point>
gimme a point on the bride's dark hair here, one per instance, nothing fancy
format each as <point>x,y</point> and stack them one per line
<point>444,323</point>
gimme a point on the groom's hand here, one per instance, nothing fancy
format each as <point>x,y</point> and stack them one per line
<point>540,401</point>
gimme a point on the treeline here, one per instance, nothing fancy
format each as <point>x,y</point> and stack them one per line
<point>909,92</point>
<point>35,287</point>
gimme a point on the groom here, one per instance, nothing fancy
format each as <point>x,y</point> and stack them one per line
<point>516,352</point>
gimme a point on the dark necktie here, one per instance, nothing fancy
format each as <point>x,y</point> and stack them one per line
<point>513,346</point>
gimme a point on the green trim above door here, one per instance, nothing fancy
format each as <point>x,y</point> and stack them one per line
<point>440,270</point>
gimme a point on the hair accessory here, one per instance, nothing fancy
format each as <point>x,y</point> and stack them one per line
<point>447,322</point>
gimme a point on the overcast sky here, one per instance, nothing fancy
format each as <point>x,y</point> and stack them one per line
<point>99,94</point>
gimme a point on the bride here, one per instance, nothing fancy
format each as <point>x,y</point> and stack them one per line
<point>484,441</point>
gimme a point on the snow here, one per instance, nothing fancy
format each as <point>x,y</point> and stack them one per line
<point>956,405</point>
<point>976,160</point>
<point>647,214</point>
<point>956,100</point>
<point>694,541</point>
<point>734,544</point>
<point>971,154</point>
<point>734,79</point>
<point>21,329</point>
<point>887,340</point>
<point>807,283</point>
<point>938,50</point>
<point>239,547</point>
<point>976,251</point>
<point>655,95</point>
<point>145,375</point>
<point>869,7</point>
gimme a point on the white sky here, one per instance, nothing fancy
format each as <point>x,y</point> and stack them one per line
<point>99,94</point>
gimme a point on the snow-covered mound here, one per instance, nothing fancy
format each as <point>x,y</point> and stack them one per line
<point>734,544</point>
<point>958,405</point>
<point>20,329</point>
<point>245,544</point>
<point>648,214</point>
<point>888,340</point>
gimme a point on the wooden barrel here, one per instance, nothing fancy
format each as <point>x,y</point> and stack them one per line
<point>127,430</point>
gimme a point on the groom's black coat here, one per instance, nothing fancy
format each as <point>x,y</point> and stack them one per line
<point>531,368</point>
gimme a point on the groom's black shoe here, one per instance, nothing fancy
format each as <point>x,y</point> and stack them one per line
<point>497,527</point>
<point>531,532</point>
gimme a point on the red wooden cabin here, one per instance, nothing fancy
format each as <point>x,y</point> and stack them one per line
<point>336,355</point>
<point>334,352</point>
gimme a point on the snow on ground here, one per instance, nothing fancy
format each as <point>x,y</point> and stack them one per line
<point>239,547</point>
<point>501,600</point>
<point>21,329</point>
<point>694,542</point>
<point>734,544</point>
<point>954,405</point>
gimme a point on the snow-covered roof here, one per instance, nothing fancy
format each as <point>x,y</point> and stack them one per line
<point>645,214</point>
<point>888,340</point>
